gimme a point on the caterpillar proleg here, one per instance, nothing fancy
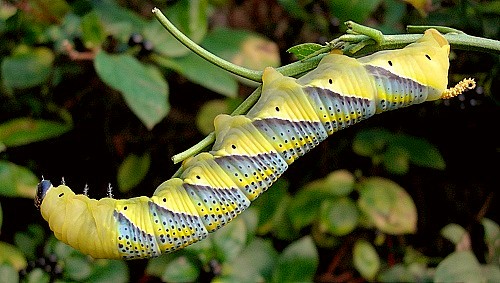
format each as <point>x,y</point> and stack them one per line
<point>251,151</point>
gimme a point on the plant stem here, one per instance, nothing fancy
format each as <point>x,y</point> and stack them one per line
<point>201,145</point>
<point>473,43</point>
<point>441,29</point>
<point>457,41</point>
<point>226,65</point>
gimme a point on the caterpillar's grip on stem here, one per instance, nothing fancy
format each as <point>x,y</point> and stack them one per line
<point>251,151</point>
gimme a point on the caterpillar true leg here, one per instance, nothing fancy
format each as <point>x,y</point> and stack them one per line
<point>251,151</point>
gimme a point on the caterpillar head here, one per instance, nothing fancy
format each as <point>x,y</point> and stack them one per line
<point>41,191</point>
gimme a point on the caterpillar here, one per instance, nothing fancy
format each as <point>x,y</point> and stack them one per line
<point>251,151</point>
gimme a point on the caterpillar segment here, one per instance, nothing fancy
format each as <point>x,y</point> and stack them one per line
<point>250,152</point>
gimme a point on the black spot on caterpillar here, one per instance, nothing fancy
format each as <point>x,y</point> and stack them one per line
<point>250,152</point>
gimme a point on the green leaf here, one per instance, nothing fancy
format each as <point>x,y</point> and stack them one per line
<point>208,112</point>
<point>12,256</point>
<point>163,42</point>
<point>366,259</point>
<point>8,273</point>
<point>304,206</point>
<point>132,171</point>
<point>297,263</point>
<point>323,239</point>
<point>203,250</point>
<point>251,220</point>
<point>282,227</point>
<point>27,67</point>
<point>29,241</point>
<point>243,48</point>
<point>273,215</point>
<point>492,238</point>
<point>37,275</point>
<point>17,181</point>
<point>488,7</point>
<point>77,267</point>
<point>491,272</point>
<point>338,217</point>
<point>230,240</point>
<point>200,71</point>
<point>180,269</point>
<point>491,230</point>
<point>396,273</point>
<point>59,249</point>
<point>21,131</point>
<point>357,11</point>
<point>174,267</point>
<point>338,183</point>
<point>388,206</point>
<point>240,47</point>
<point>414,256</point>
<point>269,203</point>
<point>156,266</point>
<point>1,218</point>
<point>415,272</point>
<point>254,264</point>
<point>459,267</point>
<point>420,152</point>
<point>190,17</point>
<point>303,50</point>
<point>394,12</point>
<point>143,87</point>
<point>453,232</point>
<point>93,33</point>
<point>397,150</point>
<point>370,142</point>
<point>396,160</point>
<point>119,21</point>
<point>295,9</point>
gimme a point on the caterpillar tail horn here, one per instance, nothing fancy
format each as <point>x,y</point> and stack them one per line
<point>459,88</point>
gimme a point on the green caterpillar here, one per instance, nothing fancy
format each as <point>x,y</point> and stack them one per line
<point>251,151</point>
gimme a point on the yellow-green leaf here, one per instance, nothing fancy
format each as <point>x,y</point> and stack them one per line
<point>17,181</point>
<point>92,30</point>
<point>208,112</point>
<point>339,217</point>
<point>297,263</point>
<point>132,171</point>
<point>27,67</point>
<point>303,50</point>
<point>387,206</point>
<point>21,131</point>
<point>459,267</point>
<point>366,259</point>
<point>12,255</point>
<point>144,88</point>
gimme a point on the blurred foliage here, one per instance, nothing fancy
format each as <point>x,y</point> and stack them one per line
<point>97,90</point>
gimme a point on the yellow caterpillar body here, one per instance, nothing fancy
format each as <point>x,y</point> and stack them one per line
<point>251,151</point>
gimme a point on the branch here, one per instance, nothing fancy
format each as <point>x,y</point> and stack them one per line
<point>373,40</point>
